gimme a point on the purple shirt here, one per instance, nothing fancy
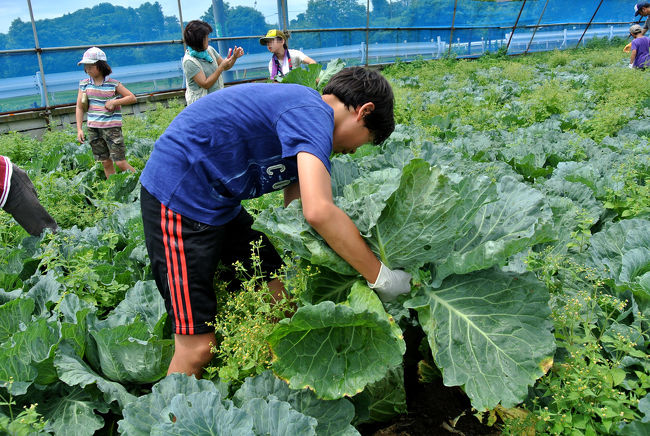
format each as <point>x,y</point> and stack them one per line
<point>642,47</point>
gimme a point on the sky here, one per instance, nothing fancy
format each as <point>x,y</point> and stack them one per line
<point>192,9</point>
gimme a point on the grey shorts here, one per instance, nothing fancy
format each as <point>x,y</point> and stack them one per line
<point>107,143</point>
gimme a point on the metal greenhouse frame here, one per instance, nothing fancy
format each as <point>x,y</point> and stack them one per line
<point>283,22</point>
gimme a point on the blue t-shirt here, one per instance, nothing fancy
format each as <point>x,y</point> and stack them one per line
<point>237,143</point>
<point>642,47</point>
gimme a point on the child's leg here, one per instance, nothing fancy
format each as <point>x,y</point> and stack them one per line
<point>100,149</point>
<point>192,353</point>
<point>115,142</point>
<point>109,169</point>
<point>124,166</point>
<point>184,255</point>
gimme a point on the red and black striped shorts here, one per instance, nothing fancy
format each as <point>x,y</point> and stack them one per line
<point>184,257</point>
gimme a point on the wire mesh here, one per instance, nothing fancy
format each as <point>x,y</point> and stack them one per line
<point>144,42</point>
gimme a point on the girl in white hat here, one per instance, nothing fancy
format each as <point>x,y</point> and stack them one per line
<point>103,98</point>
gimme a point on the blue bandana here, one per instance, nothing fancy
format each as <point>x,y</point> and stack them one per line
<point>200,54</point>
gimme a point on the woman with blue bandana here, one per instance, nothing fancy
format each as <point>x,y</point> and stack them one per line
<point>202,65</point>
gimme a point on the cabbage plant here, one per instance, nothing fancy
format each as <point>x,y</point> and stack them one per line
<point>488,329</point>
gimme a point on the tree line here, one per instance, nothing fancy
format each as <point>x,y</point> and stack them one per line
<point>106,23</point>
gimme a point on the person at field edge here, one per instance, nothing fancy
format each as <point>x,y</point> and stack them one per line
<point>283,59</point>
<point>643,9</point>
<point>105,99</point>
<point>227,147</point>
<point>202,65</point>
<point>640,50</point>
<point>18,198</point>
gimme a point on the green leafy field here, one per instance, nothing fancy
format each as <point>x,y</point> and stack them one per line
<point>515,190</point>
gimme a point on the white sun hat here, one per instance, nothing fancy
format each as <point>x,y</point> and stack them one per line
<point>92,55</point>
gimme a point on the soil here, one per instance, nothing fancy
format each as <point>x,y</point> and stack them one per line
<point>433,408</point>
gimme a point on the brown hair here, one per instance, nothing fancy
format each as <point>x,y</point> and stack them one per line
<point>103,68</point>
<point>195,32</point>
<point>356,86</point>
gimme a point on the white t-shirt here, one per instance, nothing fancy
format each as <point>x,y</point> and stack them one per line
<point>297,58</point>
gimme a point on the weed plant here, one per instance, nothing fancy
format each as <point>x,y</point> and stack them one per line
<point>26,422</point>
<point>245,319</point>
<point>600,369</point>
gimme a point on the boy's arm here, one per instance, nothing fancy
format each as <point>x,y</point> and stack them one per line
<point>632,57</point>
<point>329,221</point>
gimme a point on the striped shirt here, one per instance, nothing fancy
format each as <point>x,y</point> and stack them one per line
<point>5,179</point>
<point>98,95</point>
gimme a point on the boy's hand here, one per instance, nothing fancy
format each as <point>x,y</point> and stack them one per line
<point>110,105</point>
<point>390,284</point>
<point>80,136</point>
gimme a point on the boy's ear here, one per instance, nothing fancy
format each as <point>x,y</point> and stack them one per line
<point>364,110</point>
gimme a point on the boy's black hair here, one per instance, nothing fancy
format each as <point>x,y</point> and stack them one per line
<point>357,86</point>
<point>195,32</point>
<point>103,68</point>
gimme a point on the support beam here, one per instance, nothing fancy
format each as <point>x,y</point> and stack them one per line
<point>535,29</point>
<point>512,32</point>
<point>588,25</point>
<point>38,54</point>
<point>451,32</point>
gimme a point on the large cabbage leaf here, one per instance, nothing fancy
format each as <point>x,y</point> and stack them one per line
<point>141,415</point>
<point>382,400</point>
<point>458,224</point>
<point>180,405</point>
<point>489,332</point>
<point>621,253</point>
<point>203,413</point>
<point>142,301</point>
<point>75,372</point>
<point>278,418</point>
<point>333,416</point>
<point>129,353</point>
<point>72,411</point>
<point>337,349</point>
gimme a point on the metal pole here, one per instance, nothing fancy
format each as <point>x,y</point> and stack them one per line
<point>535,29</point>
<point>219,25</point>
<point>280,15</point>
<point>285,23</point>
<point>180,16</point>
<point>512,32</point>
<point>451,33</point>
<point>38,53</point>
<point>587,28</point>
<point>367,28</point>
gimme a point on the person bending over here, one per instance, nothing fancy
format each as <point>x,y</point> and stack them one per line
<point>229,146</point>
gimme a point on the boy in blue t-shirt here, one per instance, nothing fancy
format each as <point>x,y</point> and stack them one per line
<point>240,143</point>
<point>640,50</point>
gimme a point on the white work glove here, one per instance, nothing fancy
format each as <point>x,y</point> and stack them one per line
<point>390,284</point>
<point>631,65</point>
